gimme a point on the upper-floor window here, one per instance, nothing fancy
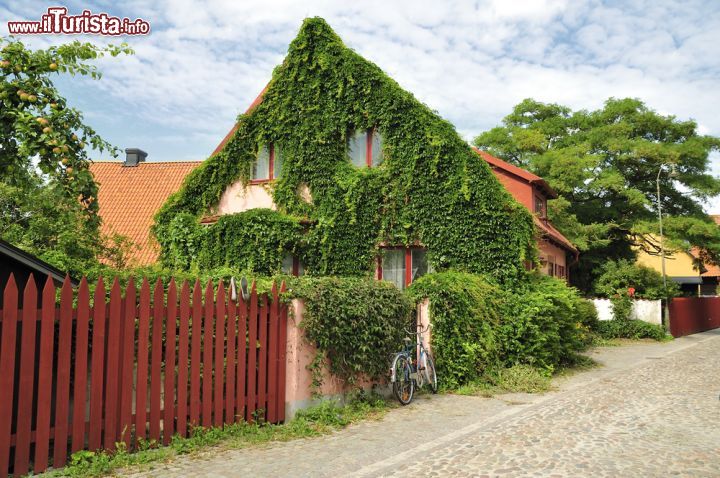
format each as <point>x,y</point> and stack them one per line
<point>268,164</point>
<point>365,148</point>
<point>402,265</point>
<point>540,206</point>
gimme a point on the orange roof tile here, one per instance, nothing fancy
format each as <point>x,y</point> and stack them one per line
<point>130,196</point>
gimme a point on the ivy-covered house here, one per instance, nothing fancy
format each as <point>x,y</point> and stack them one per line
<point>336,170</point>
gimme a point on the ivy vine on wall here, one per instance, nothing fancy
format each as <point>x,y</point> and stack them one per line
<point>430,189</point>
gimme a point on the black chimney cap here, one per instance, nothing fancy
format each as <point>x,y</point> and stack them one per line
<point>133,156</point>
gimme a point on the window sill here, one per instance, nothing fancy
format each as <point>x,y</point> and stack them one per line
<point>260,181</point>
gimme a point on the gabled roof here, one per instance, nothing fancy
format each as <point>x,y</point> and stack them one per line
<point>548,230</point>
<point>129,197</point>
<point>521,173</point>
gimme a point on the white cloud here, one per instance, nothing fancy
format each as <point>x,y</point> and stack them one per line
<point>472,61</point>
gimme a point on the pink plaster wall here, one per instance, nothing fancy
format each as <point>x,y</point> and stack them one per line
<point>238,198</point>
<point>299,355</point>
<point>558,254</point>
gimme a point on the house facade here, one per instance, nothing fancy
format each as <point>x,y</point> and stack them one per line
<point>335,170</point>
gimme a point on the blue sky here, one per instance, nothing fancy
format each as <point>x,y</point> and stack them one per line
<point>204,62</point>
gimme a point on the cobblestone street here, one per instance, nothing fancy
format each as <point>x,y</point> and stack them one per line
<point>651,410</point>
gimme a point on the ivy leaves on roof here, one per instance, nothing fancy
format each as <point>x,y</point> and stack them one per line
<point>431,189</point>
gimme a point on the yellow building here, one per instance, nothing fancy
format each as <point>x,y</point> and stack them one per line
<point>684,269</point>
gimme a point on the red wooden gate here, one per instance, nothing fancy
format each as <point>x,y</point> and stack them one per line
<point>690,315</point>
<point>76,377</point>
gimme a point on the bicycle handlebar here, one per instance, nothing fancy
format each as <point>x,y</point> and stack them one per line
<point>419,330</point>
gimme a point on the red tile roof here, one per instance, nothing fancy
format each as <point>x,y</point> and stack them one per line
<point>130,196</point>
<point>519,172</point>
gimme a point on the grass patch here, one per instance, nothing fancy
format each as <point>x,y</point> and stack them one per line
<point>316,421</point>
<point>515,379</point>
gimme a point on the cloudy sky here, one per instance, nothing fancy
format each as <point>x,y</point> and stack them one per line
<point>204,62</point>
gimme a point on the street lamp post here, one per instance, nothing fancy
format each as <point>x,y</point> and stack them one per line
<point>666,310</point>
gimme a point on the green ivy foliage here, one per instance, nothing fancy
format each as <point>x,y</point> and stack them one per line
<point>478,325</point>
<point>355,323</point>
<point>431,187</point>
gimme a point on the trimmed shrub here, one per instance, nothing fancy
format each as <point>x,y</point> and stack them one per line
<point>477,326</point>
<point>546,323</point>
<point>630,329</point>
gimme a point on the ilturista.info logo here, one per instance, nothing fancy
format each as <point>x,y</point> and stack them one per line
<point>57,22</point>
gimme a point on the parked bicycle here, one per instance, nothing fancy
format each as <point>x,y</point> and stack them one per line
<point>412,368</point>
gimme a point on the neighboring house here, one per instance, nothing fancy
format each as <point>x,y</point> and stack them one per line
<point>557,253</point>
<point>683,268</point>
<point>130,192</point>
<point>22,265</point>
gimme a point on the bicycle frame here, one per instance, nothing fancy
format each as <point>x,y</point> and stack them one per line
<point>417,358</point>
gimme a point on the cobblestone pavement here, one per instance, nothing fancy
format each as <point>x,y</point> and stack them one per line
<point>652,410</point>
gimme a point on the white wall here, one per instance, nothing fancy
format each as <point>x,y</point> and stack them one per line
<point>647,310</point>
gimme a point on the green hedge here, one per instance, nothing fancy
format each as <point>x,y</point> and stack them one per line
<point>630,329</point>
<point>546,323</point>
<point>466,313</point>
<point>478,325</point>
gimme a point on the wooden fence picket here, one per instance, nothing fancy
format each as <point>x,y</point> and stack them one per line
<point>62,389</point>
<point>45,378</point>
<point>252,356</point>
<point>169,364</point>
<point>183,364</point>
<point>207,369</point>
<point>7,368</point>
<point>97,376</point>
<point>127,364</point>
<point>196,355</point>
<point>156,359</point>
<point>143,343</point>
<point>27,375</point>
<point>81,348</point>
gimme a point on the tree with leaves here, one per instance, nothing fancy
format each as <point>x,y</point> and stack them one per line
<point>48,198</point>
<point>604,164</point>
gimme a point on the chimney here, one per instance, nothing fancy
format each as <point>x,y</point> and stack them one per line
<point>133,156</point>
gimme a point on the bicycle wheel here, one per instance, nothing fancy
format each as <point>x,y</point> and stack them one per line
<point>430,374</point>
<point>403,384</point>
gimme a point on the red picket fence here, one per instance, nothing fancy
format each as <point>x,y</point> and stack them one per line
<point>90,375</point>
<point>690,315</point>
